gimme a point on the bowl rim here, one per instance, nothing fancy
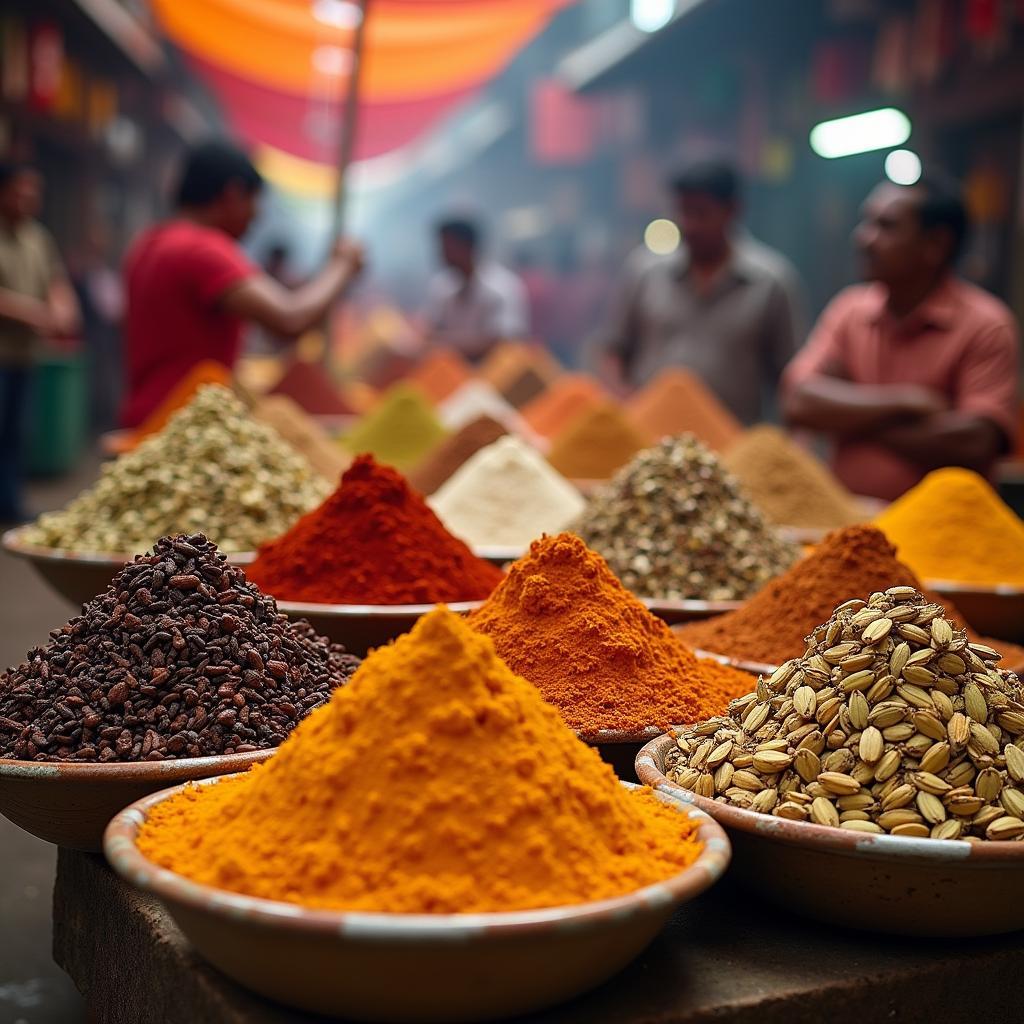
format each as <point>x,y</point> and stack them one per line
<point>686,604</point>
<point>822,838</point>
<point>119,846</point>
<point>129,771</point>
<point>362,611</point>
<point>12,543</point>
<point>982,590</point>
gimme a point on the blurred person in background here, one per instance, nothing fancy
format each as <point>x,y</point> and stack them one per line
<point>723,305</point>
<point>917,368</point>
<point>472,303</point>
<point>191,288</point>
<point>36,301</point>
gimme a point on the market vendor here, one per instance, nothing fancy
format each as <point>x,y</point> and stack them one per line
<point>917,368</point>
<point>191,289</point>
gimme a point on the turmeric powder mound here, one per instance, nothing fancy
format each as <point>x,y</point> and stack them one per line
<point>953,526</point>
<point>562,619</point>
<point>437,781</point>
<point>677,401</point>
<point>595,444</point>
<point>566,399</point>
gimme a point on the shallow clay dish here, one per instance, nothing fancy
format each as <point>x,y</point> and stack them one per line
<point>882,883</point>
<point>79,576</point>
<point>992,611</point>
<point>755,668</point>
<point>71,804</point>
<point>413,967</point>
<point>675,611</point>
<point>360,627</point>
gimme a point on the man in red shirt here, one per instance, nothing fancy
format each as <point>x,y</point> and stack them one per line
<point>190,288</point>
<point>917,369</point>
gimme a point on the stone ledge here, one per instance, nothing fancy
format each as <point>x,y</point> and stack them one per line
<point>724,959</point>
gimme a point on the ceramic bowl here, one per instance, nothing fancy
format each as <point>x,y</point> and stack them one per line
<point>361,627</point>
<point>992,611</point>
<point>78,576</point>
<point>406,967</point>
<point>70,804</point>
<point>882,883</point>
<point>755,668</point>
<point>675,611</point>
<point>619,747</point>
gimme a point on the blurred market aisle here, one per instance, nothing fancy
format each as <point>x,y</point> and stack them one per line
<point>33,989</point>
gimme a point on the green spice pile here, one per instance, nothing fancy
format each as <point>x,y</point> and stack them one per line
<point>891,722</point>
<point>399,430</point>
<point>213,469</point>
<point>674,524</point>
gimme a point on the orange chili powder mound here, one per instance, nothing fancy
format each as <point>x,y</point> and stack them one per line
<point>563,620</point>
<point>437,781</point>
<point>563,402</point>
<point>595,444</point>
<point>441,374</point>
<point>677,401</point>
<point>506,362</point>
<point>209,371</point>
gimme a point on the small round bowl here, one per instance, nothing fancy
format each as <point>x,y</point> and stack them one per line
<point>675,611</point>
<point>413,967</point>
<point>881,883</point>
<point>755,668</point>
<point>619,747</point>
<point>361,627</point>
<point>992,611</point>
<point>70,803</point>
<point>78,576</point>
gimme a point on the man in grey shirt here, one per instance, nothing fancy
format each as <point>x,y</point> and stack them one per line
<point>723,305</point>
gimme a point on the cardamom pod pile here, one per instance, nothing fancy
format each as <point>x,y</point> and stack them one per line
<point>213,469</point>
<point>891,722</point>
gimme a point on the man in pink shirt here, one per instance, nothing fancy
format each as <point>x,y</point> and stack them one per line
<point>916,369</point>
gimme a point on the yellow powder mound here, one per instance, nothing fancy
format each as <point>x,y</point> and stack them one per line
<point>953,526</point>
<point>437,781</point>
<point>400,429</point>
<point>677,401</point>
<point>594,445</point>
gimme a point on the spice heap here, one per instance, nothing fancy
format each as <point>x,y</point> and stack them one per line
<point>520,372</point>
<point>507,811</point>
<point>673,524</point>
<point>773,625</point>
<point>213,468</point>
<point>399,430</point>
<point>303,433</point>
<point>206,371</point>
<point>562,620</point>
<point>309,386</point>
<point>789,485</point>
<point>953,526</point>
<point>677,401</point>
<point>890,722</point>
<point>564,401</point>
<point>373,541</point>
<point>506,495</point>
<point>477,398</point>
<point>179,657</point>
<point>441,374</point>
<point>452,452</point>
<point>595,444</point>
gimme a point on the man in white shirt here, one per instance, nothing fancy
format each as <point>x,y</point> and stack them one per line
<point>472,304</point>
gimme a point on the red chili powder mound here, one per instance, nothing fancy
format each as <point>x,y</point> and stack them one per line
<point>441,374</point>
<point>563,620</point>
<point>566,400</point>
<point>373,541</point>
<point>677,401</point>
<point>308,384</point>
<point>772,625</point>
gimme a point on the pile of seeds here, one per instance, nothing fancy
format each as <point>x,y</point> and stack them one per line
<point>179,657</point>
<point>674,524</point>
<point>212,468</point>
<point>891,722</point>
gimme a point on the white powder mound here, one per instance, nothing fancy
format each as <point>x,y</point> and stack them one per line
<point>477,398</point>
<point>506,495</point>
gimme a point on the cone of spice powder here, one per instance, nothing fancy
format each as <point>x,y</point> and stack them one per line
<point>373,541</point>
<point>399,430</point>
<point>452,452</point>
<point>308,385</point>
<point>207,371</point>
<point>179,657</point>
<point>436,782</point>
<point>562,620</point>
<point>478,398</point>
<point>595,444</point>
<point>677,401</point>
<point>507,362</point>
<point>441,374</point>
<point>303,433</point>
<point>772,626</point>
<point>525,386</point>
<point>789,484</point>
<point>570,396</point>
